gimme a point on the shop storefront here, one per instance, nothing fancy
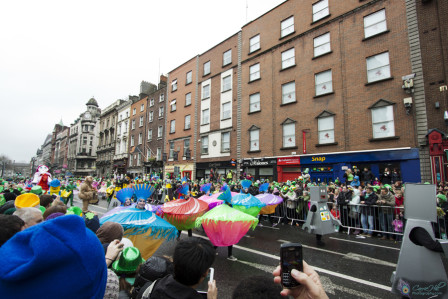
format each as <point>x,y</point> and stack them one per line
<point>184,170</point>
<point>260,169</point>
<point>288,168</point>
<point>221,168</point>
<point>328,167</point>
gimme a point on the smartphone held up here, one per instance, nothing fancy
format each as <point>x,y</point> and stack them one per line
<point>290,258</point>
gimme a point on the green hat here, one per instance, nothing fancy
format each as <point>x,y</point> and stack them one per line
<point>427,183</point>
<point>285,189</point>
<point>441,197</point>
<point>129,260</point>
<point>387,186</point>
<point>42,209</point>
<point>36,190</point>
<point>1,188</point>
<point>74,211</point>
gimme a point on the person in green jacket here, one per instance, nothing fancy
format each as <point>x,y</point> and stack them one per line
<point>70,187</point>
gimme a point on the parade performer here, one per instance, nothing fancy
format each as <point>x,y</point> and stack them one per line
<point>183,212</point>
<point>87,193</point>
<point>55,187</point>
<point>68,192</point>
<point>270,200</point>
<point>42,177</point>
<point>145,229</point>
<point>211,200</point>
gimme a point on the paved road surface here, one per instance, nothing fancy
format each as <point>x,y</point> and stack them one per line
<point>349,267</point>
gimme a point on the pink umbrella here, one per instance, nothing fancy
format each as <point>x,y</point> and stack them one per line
<point>211,201</point>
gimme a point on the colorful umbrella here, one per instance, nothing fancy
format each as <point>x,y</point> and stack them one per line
<point>183,213</point>
<point>212,201</point>
<point>271,202</point>
<point>226,226</point>
<point>145,229</point>
<point>247,203</point>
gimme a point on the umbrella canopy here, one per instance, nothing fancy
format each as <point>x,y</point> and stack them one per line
<point>145,229</point>
<point>271,202</point>
<point>247,203</point>
<point>212,201</point>
<point>226,226</point>
<point>183,213</point>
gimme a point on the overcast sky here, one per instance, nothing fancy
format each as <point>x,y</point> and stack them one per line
<point>56,55</point>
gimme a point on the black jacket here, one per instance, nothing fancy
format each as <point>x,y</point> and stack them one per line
<point>369,201</point>
<point>367,176</point>
<point>169,288</point>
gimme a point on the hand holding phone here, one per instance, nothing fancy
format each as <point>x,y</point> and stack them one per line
<point>290,258</point>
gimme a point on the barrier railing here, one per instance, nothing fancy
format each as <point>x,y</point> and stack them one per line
<point>368,219</point>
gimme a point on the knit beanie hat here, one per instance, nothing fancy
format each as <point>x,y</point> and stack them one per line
<point>59,258</point>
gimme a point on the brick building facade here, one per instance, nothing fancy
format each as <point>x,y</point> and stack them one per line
<point>137,145</point>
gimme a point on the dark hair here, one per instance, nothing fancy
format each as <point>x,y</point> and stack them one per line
<point>54,209</point>
<point>155,267</point>
<point>192,258</point>
<point>45,200</point>
<point>9,226</point>
<point>9,196</point>
<point>257,287</point>
<point>369,188</point>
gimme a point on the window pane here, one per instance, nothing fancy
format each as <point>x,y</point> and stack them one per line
<point>205,116</point>
<point>287,26</point>
<point>206,91</point>
<point>288,93</point>
<point>207,68</point>
<point>383,122</point>
<point>378,67</point>
<point>324,83</point>
<point>382,114</point>
<point>289,138</point>
<point>254,43</point>
<point>187,122</point>
<point>322,44</point>
<point>254,102</point>
<point>204,145</point>
<point>326,129</point>
<point>320,10</point>
<point>254,71</point>
<point>189,77</point>
<point>288,58</point>
<point>226,112</point>
<point>254,137</point>
<point>375,23</point>
<point>226,83</point>
<point>225,141</point>
<point>173,126</point>
<point>188,99</point>
<point>227,57</point>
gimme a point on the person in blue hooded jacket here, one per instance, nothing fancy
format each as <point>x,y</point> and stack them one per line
<point>355,182</point>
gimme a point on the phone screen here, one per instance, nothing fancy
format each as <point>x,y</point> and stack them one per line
<point>203,286</point>
<point>291,258</point>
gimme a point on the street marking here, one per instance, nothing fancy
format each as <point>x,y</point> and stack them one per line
<point>343,276</point>
<point>97,206</point>
<point>330,288</point>
<point>363,243</point>
<point>350,255</point>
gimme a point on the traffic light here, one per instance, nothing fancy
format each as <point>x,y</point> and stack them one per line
<point>233,162</point>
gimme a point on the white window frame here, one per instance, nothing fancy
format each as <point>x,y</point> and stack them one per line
<point>323,84</point>
<point>254,43</point>
<point>142,107</point>
<point>161,97</point>
<point>287,26</point>
<point>187,122</point>
<point>189,77</point>
<point>375,23</point>
<point>150,134</point>
<point>204,145</point>
<point>173,126</point>
<point>287,135</point>
<point>320,10</point>
<point>140,124</point>
<point>140,138</point>
<point>287,95</point>
<point>133,124</point>
<point>206,68</point>
<point>226,83</point>
<point>288,58</point>
<point>205,116</point>
<point>173,105</point>
<point>206,91</point>
<point>254,102</point>
<point>159,154</point>
<point>227,57</point>
<point>254,72</point>
<point>322,44</point>
<point>174,85</point>
<point>151,102</point>
<point>226,109</point>
<point>325,127</point>
<point>225,142</point>
<point>254,140</point>
<point>383,120</point>
<point>159,132</point>
<point>161,108</point>
<point>375,67</point>
<point>151,116</point>
<point>134,111</point>
<point>132,140</point>
<point>188,99</point>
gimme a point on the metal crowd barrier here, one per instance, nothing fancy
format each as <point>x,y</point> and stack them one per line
<point>363,218</point>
